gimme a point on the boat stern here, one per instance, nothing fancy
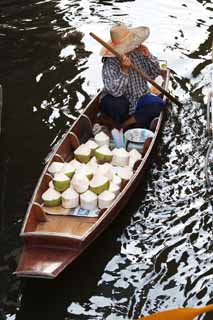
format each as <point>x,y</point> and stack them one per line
<point>44,262</point>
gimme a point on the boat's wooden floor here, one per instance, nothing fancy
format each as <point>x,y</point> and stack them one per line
<point>76,226</point>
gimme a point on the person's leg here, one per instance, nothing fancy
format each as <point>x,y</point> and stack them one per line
<point>148,107</point>
<point>129,123</point>
<point>117,108</point>
<point>147,113</point>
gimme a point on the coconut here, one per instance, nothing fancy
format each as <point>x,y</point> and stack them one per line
<point>86,170</point>
<point>102,138</point>
<point>93,164</point>
<point>51,198</point>
<point>116,180</point>
<point>88,200</point>
<point>103,154</point>
<point>105,199</point>
<point>125,173</point>
<point>105,170</point>
<point>134,156</point>
<point>70,198</point>
<point>114,169</point>
<point>75,163</point>
<point>61,182</point>
<point>99,183</point>
<point>55,167</point>
<point>80,182</point>
<point>92,145</point>
<point>68,169</point>
<point>114,188</point>
<point>82,153</point>
<point>120,157</point>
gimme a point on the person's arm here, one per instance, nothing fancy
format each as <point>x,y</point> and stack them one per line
<point>150,63</point>
<point>115,76</point>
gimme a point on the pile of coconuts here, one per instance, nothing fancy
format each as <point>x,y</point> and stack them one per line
<point>93,178</point>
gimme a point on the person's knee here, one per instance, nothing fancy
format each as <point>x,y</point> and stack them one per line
<point>115,107</point>
<point>147,113</point>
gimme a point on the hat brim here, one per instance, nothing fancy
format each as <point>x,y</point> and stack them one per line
<point>137,36</point>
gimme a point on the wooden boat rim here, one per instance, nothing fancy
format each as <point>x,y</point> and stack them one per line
<point>82,114</point>
<point>102,217</point>
<point>81,238</point>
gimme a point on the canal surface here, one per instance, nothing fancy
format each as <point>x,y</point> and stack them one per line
<point>157,254</point>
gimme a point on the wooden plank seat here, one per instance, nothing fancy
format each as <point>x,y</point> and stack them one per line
<point>74,226</point>
<point>40,223</point>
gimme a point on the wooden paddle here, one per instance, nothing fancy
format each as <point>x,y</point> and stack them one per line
<point>144,75</point>
<point>179,314</point>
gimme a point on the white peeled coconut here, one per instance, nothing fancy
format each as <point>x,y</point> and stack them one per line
<point>61,182</point>
<point>114,169</point>
<point>93,164</point>
<point>120,157</point>
<point>86,170</point>
<point>55,167</point>
<point>70,199</point>
<point>116,180</point>
<point>114,188</point>
<point>134,156</point>
<point>75,163</point>
<point>103,154</point>
<point>51,198</point>
<point>92,145</point>
<point>68,169</point>
<point>80,182</point>
<point>105,170</point>
<point>125,173</point>
<point>82,153</point>
<point>99,183</point>
<point>88,200</point>
<point>102,139</point>
<point>105,199</point>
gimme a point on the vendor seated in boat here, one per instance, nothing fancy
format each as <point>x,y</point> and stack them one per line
<point>126,101</point>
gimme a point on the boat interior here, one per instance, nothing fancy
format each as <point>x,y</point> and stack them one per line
<point>44,222</point>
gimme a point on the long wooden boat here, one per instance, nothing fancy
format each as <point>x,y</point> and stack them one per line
<point>52,242</point>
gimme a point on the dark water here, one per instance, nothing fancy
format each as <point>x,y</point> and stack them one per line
<point>157,254</point>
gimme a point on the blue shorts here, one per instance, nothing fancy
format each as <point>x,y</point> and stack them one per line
<point>148,107</point>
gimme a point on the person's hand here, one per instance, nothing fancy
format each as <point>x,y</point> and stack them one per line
<point>144,50</point>
<point>125,64</point>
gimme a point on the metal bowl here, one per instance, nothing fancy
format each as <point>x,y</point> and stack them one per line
<point>136,137</point>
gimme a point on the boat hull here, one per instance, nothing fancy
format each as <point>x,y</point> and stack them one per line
<point>50,246</point>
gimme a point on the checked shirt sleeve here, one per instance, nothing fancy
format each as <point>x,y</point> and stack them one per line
<point>152,66</point>
<point>115,81</point>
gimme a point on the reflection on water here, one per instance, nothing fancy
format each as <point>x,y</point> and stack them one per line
<point>157,255</point>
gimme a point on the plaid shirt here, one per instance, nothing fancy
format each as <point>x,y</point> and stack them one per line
<point>131,85</point>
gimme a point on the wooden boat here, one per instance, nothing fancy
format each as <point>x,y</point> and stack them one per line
<point>53,241</point>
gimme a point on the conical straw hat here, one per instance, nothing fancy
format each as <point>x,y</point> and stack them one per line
<point>124,39</point>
